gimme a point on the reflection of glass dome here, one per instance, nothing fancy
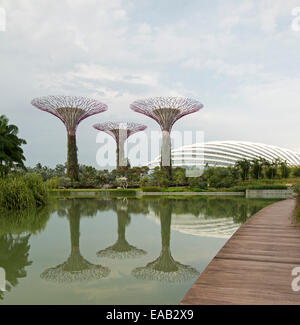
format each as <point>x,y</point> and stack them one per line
<point>76,268</point>
<point>121,249</point>
<point>208,216</point>
<point>200,226</point>
<point>165,268</point>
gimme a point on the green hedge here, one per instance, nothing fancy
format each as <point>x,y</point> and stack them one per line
<point>152,189</point>
<point>267,187</point>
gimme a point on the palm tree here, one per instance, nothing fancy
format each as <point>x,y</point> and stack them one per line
<point>14,258</point>
<point>285,170</point>
<point>257,168</point>
<point>244,165</point>
<point>11,153</point>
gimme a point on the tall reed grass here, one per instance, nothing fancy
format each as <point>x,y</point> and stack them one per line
<point>22,192</point>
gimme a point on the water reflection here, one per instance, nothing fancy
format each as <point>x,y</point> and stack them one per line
<point>15,231</point>
<point>22,254</point>
<point>76,267</point>
<point>122,249</point>
<point>165,268</point>
<point>210,216</point>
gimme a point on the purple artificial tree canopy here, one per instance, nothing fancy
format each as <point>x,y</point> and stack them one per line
<point>166,110</point>
<point>117,129</point>
<point>71,110</point>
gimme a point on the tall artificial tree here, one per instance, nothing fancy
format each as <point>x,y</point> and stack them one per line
<point>120,131</point>
<point>71,110</point>
<point>166,111</point>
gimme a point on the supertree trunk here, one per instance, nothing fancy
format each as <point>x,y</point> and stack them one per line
<point>72,160</point>
<point>74,224</point>
<point>120,152</point>
<point>165,262</point>
<point>166,162</point>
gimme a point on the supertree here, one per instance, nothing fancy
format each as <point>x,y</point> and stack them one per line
<point>122,249</point>
<point>165,268</point>
<point>166,111</point>
<point>71,110</point>
<point>76,268</point>
<point>120,131</point>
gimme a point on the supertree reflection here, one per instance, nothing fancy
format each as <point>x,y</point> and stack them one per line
<point>165,268</point>
<point>122,249</point>
<point>76,267</point>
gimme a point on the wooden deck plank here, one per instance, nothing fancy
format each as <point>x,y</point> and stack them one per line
<point>255,265</point>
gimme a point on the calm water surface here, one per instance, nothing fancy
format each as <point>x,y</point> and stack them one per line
<point>115,251</point>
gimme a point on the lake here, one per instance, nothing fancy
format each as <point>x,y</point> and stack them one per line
<point>115,250</point>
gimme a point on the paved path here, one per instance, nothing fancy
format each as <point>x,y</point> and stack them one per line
<point>255,265</point>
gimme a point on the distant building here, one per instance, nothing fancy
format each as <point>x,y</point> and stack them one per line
<point>226,153</point>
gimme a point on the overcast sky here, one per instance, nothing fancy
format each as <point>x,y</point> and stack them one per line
<point>241,59</point>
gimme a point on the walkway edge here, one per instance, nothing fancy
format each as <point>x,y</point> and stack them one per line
<point>255,265</point>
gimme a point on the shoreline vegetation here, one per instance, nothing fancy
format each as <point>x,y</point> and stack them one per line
<point>31,188</point>
<point>297,208</point>
<point>23,192</point>
<point>174,189</point>
<point>212,179</point>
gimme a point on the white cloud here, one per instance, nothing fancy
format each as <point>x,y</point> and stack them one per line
<point>220,67</point>
<point>242,57</point>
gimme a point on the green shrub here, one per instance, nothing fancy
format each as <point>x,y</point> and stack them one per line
<point>297,188</point>
<point>202,185</point>
<point>52,183</point>
<point>123,192</point>
<point>65,181</point>
<point>15,194</point>
<point>197,189</point>
<point>23,192</point>
<point>175,189</point>
<point>267,187</point>
<point>238,189</point>
<point>38,188</point>
<point>296,172</point>
<point>164,182</point>
<point>144,181</point>
<point>151,189</point>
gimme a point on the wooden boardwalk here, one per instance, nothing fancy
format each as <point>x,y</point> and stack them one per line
<point>255,265</point>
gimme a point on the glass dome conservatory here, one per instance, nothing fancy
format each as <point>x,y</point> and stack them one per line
<point>226,153</point>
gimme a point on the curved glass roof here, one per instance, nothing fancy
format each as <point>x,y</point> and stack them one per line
<point>226,153</point>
